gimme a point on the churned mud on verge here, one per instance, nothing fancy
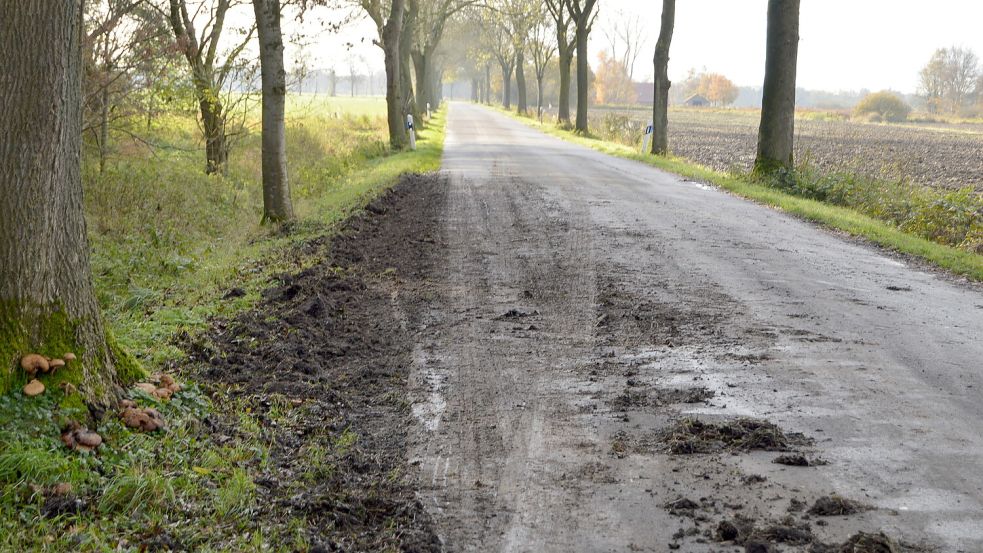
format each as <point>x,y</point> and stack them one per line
<point>322,364</point>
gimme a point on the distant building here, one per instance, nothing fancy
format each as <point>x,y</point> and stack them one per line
<point>696,101</point>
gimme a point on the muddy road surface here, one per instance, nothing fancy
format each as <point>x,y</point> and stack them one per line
<point>611,358</point>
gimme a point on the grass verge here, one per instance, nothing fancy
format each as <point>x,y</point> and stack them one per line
<point>955,260</point>
<point>172,251</point>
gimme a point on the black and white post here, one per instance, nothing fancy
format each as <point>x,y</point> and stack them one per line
<point>412,130</point>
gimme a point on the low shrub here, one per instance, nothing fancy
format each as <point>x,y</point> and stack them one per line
<point>882,106</point>
<point>949,217</point>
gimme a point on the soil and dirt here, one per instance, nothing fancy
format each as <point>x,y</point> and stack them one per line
<point>943,156</point>
<point>330,346</point>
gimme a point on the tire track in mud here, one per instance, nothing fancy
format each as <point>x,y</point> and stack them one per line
<point>519,286</point>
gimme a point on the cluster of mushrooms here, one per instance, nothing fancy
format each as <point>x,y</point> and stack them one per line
<point>35,363</point>
<point>78,437</point>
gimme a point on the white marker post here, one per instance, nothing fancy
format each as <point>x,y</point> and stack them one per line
<point>409,127</point>
<point>648,133</point>
<point>429,115</point>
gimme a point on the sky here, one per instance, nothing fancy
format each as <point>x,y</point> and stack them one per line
<point>845,44</point>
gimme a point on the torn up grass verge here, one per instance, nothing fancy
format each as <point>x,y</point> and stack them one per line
<point>781,193</point>
<point>216,478</point>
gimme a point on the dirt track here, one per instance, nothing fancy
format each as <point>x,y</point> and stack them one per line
<point>580,298</point>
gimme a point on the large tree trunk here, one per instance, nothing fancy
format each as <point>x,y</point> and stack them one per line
<point>539,96</point>
<point>506,86</point>
<point>394,102</point>
<point>520,82</point>
<point>777,129</point>
<point>411,101</point>
<point>276,189</point>
<point>660,106</point>
<point>487,98</point>
<point>47,303</point>
<point>566,61</point>
<point>213,123</point>
<point>420,70</point>
<point>583,75</point>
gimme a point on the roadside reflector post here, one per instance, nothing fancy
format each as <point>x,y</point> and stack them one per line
<point>412,131</point>
<point>428,111</point>
<point>648,134</point>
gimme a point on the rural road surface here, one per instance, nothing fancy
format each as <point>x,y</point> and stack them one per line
<point>581,297</point>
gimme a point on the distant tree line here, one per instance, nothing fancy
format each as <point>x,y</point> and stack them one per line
<point>952,82</point>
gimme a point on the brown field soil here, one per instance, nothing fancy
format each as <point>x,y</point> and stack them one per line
<point>933,154</point>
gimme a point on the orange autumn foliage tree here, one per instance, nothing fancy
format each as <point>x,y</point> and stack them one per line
<point>718,89</point>
<point>612,85</point>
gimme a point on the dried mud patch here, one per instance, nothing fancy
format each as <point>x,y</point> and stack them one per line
<point>322,364</point>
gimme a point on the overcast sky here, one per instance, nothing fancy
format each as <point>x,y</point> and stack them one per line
<point>845,44</point>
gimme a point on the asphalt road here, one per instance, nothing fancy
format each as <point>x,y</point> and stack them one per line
<point>577,288</point>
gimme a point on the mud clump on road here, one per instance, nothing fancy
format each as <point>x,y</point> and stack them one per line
<point>322,363</point>
<point>693,436</point>
<point>683,395</point>
<point>863,542</point>
<point>630,398</point>
<point>798,460</point>
<point>834,505</point>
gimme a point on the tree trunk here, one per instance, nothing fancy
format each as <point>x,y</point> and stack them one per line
<point>276,189</point>
<point>487,99</point>
<point>103,128</point>
<point>506,86</point>
<point>566,61</point>
<point>411,103</point>
<point>582,73</point>
<point>213,122</point>
<point>539,96</point>
<point>104,107</point>
<point>394,102</point>
<point>420,70</point>
<point>777,129</point>
<point>660,105</point>
<point>47,302</point>
<point>333,83</point>
<point>520,82</point>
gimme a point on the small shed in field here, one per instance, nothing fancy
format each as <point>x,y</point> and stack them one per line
<point>696,101</point>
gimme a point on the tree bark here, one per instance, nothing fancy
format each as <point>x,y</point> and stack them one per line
<point>276,188</point>
<point>520,82</point>
<point>213,123</point>
<point>539,96</point>
<point>487,98</point>
<point>777,129</point>
<point>507,86</point>
<point>47,301</point>
<point>411,102</point>
<point>394,102</point>
<point>583,75</point>
<point>566,63</point>
<point>660,105</point>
